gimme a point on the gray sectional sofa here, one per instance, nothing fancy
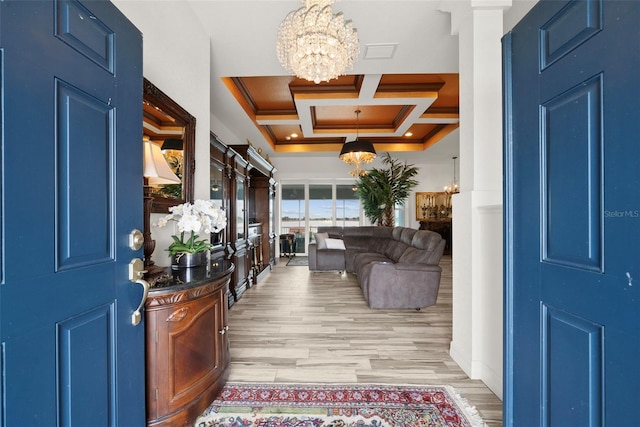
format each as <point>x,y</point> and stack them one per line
<point>396,267</point>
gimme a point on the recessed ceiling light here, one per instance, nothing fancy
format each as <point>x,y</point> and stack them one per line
<point>294,135</point>
<point>287,137</point>
<point>408,134</point>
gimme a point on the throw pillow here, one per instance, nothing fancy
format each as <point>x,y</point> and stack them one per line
<point>321,240</point>
<point>335,244</point>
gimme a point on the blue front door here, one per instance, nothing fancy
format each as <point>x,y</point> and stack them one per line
<point>572,151</point>
<point>71,191</point>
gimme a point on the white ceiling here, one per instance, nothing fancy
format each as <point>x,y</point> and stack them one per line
<point>243,39</point>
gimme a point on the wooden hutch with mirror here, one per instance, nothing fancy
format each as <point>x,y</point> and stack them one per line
<point>168,137</point>
<point>186,308</point>
<point>172,128</point>
<point>242,180</point>
<point>190,310</point>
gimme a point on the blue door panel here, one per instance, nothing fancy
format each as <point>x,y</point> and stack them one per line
<point>86,362</point>
<point>82,30</point>
<point>572,215</point>
<point>84,175</point>
<point>571,141</point>
<point>27,366</point>
<point>572,369</point>
<point>567,29</point>
<point>71,190</point>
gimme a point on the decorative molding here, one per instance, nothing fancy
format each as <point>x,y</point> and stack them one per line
<point>178,315</point>
<point>186,294</point>
<point>158,99</point>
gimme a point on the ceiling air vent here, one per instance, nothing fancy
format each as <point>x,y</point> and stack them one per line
<point>380,51</point>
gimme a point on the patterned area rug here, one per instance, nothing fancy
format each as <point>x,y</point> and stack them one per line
<point>321,405</point>
<point>298,260</point>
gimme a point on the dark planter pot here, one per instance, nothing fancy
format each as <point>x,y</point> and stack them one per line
<point>186,260</point>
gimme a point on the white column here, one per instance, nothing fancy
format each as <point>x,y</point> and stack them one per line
<point>477,210</point>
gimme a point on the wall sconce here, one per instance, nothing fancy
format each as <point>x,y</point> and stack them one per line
<point>156,171</point>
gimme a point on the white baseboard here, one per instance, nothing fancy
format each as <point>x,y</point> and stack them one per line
<point>490,377</point>
<point>477,370</point>
<point>461,358</point>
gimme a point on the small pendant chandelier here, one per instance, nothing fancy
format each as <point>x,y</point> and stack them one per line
<point>316,45</point>
<point>357,152</point>
<point>453,187</point>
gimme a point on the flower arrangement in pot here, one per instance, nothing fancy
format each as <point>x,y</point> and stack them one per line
<point>199,216</point>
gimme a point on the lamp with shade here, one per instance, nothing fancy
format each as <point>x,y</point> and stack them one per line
<point>357,152</point>
<point>156,171</point>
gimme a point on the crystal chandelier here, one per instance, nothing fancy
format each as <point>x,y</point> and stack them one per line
<point>453,187</point>
<point>357,152</point>
<point>316,45</point>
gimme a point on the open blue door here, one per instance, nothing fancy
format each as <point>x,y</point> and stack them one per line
<point>71,187</point>
<point>572,151</point>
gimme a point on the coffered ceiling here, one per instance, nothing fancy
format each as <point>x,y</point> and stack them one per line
<point>407,48</point>
<point>405,79</point>
<point>398,112</point>
<point>158,125</point>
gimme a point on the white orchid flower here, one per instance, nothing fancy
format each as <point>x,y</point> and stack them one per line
<point>201,216</point>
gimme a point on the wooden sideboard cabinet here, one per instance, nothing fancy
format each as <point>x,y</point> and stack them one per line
<point>441,226</point>
<point>242,181</point>
<point>187,349</point>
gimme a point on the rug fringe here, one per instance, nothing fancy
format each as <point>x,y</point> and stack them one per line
<point>469,410</point>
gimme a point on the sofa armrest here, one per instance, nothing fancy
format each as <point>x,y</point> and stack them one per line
<point>425,268</point>
<point>395,271</point>
<point>312,251</point>
<point>400,285</point>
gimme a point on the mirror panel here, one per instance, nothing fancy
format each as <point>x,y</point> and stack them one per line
<point>216,193</point>
<point>240,210</point>
<point>173,129</point>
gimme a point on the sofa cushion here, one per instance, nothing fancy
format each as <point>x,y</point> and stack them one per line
<point>415,256</point>
<point>363,260</point>
<point>321,240</point>
<point>394,249</point>
<point>426,248</point>
<point>335,232</point>
<point>407,235</point>
<point>334,244</point>
<point>431,242</point>
<point>359,243</point>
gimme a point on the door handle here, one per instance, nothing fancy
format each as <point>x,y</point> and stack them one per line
<point>136,274</point>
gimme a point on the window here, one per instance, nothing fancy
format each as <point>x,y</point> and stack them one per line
<point>347,206</point>
<point>320,206</point>
<point>292,214</point>
<point>399,215</point>
<point>306,206</point>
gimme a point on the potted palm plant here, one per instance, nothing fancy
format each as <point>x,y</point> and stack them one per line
<point>381,190</point>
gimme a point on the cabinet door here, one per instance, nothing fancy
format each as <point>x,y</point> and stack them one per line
<point>189,352</point>
<point>223,338</point>
<point>240,209</point>
<point>216,193</point>
<point>240,256</point>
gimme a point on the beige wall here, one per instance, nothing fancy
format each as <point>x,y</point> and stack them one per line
<point>176,58</point>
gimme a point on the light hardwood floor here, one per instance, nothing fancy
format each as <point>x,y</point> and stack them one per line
<point>298,326</point>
